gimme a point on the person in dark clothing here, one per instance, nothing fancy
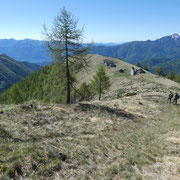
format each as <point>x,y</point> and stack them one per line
<point>170,96</point>
<point>176,97</point>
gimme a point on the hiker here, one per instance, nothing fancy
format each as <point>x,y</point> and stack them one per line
<point>176,97</point>
<point>170,96</point>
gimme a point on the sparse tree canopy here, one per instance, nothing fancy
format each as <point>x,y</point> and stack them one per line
<point>160,71</point>
<point>65,42</point>
<point>100,82</point>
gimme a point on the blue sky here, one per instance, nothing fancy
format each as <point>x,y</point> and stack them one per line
<point>103,20</point>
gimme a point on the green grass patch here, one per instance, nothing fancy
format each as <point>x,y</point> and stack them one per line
<point>126,74</point>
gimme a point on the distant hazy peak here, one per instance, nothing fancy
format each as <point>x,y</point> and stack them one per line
<point>4,55</point>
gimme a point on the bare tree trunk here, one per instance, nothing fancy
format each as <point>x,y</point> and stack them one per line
<point>99,91</point>
<point>68,99</point>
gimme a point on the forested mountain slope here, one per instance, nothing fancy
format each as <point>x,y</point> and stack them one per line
<point>12,71</point>
<point>166,63</point>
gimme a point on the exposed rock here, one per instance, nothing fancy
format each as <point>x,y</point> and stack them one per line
<point>61,156</point>
<point>28,107</point>
<point>121,70</point>
<point>109,63</point>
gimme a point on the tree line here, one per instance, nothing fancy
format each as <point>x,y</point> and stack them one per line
<point>47,86</point>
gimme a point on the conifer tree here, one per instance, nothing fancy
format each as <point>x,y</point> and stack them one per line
<point>65,42</point>
<point>84,91</point>
<point>100,82</point>
<point>15,96</point>
<point>160,71</point>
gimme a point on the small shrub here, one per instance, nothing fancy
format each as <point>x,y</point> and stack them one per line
<point>10,172</point>
<point>84,91</point>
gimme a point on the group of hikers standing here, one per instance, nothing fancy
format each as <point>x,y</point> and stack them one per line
<point>171,95</point>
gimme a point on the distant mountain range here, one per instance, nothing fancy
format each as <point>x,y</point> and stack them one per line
<point>12,71</point>
<point>30,50</point>
<point>107,44</point>
<point>137,51</point>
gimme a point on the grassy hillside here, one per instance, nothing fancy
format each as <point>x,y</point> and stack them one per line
<point>131,134</point>
<point>12,71</point>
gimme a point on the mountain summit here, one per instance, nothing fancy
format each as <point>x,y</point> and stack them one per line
<point>176,36</point>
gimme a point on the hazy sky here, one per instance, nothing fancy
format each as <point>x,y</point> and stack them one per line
<point>103,20</point>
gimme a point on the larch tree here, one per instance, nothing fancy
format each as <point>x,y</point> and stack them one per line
<point>160,71</point>
<point>65,42</point>
<point>100,82</point>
